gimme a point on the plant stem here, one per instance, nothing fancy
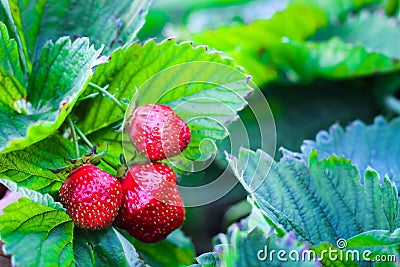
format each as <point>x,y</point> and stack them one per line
<point>72,127</point>
<point>110,96</point>
<point>82,135</point>
<point>93,95</point>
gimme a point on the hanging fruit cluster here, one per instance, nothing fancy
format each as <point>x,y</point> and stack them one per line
<point>146,201</point>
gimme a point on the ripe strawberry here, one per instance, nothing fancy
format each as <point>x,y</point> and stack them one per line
<point>151,205</point>
<point>91,197</point>
<point>158,132</point>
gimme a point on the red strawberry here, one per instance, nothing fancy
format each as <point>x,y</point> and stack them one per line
<point>91,197</point>
<point>158,132</point>
<point>151,205</point>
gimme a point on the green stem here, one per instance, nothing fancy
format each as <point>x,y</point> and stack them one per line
<point>110,96</point>
<point>86,140</point>
<point>72,127</point>
<point>87,97</point>
<point>82,135</point>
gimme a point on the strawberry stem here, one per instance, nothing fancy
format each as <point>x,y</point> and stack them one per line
<point>73,132</point>
<point>93,95</point>
<point>108,95</point>
<point>88,143</point>
<point>83,136</point>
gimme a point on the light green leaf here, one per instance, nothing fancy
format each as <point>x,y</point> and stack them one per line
<point>337,9</point>
<point>332,59</point>
<point>36,235</point>
<point>58,78</point>
<point>106,247</point>
<point>33,195</point>
<point>175,250</point>
<point>12,79</point>
<point>381,36</point>
<point>365,145</point>
<point>321,203</point>
<point>377,245</point>
<point>30,168</point>
<point>284,51</point>
<point>297,21</point>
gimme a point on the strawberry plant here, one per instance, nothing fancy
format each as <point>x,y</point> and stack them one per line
<point>184,131</point>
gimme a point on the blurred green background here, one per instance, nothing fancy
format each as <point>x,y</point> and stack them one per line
<point>317,62</point>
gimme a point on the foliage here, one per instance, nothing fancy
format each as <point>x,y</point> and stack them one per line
<point>69,78</point>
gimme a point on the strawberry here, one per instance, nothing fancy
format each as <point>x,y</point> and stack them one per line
<point>158,132</point>
<point>151,205</point>
<point>91,197</point>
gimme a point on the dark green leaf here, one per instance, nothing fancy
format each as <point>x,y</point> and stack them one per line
<point>58,78</point>
<point>108,22</point>
<point>176,250</point>
<point>36,235</point>
<point>30,167</point>
<point>320,203</point>
<point>106,247</point>
<point>209,259</point>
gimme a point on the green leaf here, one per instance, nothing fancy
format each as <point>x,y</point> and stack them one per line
<point>36,235</point>
<point>381,36</point>
<point>33,195</point>
<point>296,21</point>
<point>377,245</point>
<point>337,9</point>
<point>175,250</point>
<point>284,53</point>
<point>249,244</point>
<point>7,18</point>
<point>9,59</point>
<point>332,59</point>
<point>209,259</point>
<point>108,22</point>
<point>29,167</point>
<point>206,91</point>
<point>58,78</point>
<point>106,247</point>
<point>366,146</point>
<point>27,16</point>
<point>11,75</point>
<point>321,202</point>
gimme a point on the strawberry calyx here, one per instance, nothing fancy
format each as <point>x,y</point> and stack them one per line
<point>91,157</point>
